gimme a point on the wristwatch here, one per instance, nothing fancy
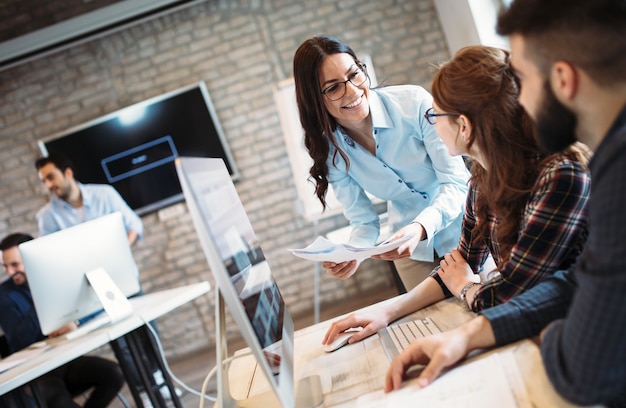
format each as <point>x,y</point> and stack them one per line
<point>462,295</point>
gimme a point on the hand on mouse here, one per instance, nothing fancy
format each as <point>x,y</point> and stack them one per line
<point>371,322</point>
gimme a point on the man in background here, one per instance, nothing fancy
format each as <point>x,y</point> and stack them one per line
<point>72,203</point>
<point>570,58</point>
<point>18,320</point>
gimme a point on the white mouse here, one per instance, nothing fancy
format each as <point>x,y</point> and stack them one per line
<point>340,340</point>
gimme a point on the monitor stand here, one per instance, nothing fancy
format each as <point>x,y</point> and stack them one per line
<point>309,392</point>
<point>116,306</point>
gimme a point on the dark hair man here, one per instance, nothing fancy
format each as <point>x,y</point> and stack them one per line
<point>18,320</point>
<point>72,202</point>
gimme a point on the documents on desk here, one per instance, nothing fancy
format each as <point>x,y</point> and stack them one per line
<point>324,250</point>
<point>492,381</point>
<point>350,375</point>
<point>354,375</point>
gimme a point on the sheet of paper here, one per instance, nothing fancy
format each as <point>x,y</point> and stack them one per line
<point>346,373</point>
<point>492,381</point>
<point>21,356</point>
<point>322,250</point>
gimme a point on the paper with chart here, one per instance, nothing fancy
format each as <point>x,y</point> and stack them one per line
<point>492,381</point>
<point>322,250</point>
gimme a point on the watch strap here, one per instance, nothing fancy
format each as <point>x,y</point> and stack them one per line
<point>464,292</point>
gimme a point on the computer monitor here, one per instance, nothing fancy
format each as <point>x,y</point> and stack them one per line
<point>245,284</point>
<point>57,265</point>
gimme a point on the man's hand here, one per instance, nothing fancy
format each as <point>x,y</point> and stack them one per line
<point>63,330</point>
<point>341,270</point>
<point>439,351</point>
<point>370,322</point>
<point>405,250</point>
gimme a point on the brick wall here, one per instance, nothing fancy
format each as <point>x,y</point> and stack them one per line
<point>241,49</point>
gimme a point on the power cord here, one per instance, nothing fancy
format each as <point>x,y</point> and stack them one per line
<point>202,393</point>
<point>208,378</point>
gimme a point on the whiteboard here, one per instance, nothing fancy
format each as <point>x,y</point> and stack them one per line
<point>301,162</point>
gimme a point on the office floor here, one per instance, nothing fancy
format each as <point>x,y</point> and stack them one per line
<point>193,369</point>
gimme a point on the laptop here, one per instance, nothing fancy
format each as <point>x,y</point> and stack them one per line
<point>396,337</point>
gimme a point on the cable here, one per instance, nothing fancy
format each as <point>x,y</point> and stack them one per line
<point>187,388</point>
<point>211,373</point>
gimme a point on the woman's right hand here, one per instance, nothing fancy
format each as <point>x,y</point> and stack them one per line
<point>371,322</point>
<point>341,270</point>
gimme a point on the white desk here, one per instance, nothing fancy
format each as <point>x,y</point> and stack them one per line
<point>145,308</point>
<point>358,369</point>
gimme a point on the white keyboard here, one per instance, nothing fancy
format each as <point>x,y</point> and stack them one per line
<point>101,320</point>
<point>397,337</point>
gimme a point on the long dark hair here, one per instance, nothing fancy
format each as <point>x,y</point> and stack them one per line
<point>318,124</point>
<point>479,83</point>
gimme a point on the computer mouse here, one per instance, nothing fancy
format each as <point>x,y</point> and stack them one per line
<point>340,340</point>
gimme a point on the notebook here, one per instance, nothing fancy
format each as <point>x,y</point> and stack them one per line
<point>397,337</point>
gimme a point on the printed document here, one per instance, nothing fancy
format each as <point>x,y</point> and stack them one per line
<point>324,250</point>
<point>492,381</point>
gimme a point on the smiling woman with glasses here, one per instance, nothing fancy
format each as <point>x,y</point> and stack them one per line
<point>377,141</point>
<point>338,89</point>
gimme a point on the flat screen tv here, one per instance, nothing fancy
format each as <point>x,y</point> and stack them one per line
<point>133,149</point>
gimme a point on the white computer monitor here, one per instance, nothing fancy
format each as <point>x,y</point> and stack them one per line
<point>57,265</point>
<point>245,284</point>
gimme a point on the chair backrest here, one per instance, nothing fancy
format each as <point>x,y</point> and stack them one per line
<point>4,346</point>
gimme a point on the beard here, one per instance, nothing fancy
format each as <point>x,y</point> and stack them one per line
<point>19,278</point>
<point>556,125</point>
<point>62,191</point>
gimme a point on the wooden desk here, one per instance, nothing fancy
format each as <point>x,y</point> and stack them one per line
<point>145,308</point>
<point>358,369</point>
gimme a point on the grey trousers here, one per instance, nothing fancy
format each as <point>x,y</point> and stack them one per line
<point>413,272</point>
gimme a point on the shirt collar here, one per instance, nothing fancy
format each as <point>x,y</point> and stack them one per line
<point>86,194</point>
<point>380,117</point>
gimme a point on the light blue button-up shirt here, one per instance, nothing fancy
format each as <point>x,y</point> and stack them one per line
<point>98,200</point>
<point>412,170</point>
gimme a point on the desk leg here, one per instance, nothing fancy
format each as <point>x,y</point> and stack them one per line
<point>20,398</point>
<point>316,281</point>
<point>37,395</point>
<point>141,362</point>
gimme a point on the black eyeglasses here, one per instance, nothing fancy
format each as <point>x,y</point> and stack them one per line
<point>431,116</point>
<point>338,90</point>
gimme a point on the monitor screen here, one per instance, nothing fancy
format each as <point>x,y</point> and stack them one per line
<point>132,147</point>
<point>56,264</point>
<point>242,273</point>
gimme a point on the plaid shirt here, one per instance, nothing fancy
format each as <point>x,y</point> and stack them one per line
<point>552,233</point>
